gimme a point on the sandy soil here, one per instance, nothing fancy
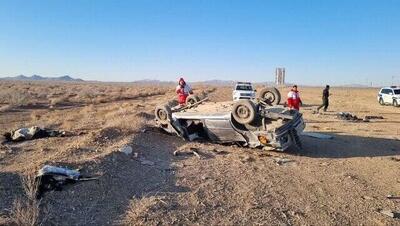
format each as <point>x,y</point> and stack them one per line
<point>341,181</point>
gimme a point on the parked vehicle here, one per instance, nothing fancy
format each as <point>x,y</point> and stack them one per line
<point>389,95</point>
<point>253,123</point>
<point>243,90</point>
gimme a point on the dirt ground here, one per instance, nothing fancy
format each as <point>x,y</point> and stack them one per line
<point>340,181</point>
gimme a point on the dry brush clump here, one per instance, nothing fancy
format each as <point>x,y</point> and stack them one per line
<point>26,209</point>
<point>141,209</point>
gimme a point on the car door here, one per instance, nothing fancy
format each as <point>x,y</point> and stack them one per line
<point>388,96</point>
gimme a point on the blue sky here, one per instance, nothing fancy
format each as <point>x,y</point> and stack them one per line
<point>318,42</point>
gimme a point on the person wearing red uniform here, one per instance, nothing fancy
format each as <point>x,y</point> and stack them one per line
<point>183,90</point>
<point>293,99</point>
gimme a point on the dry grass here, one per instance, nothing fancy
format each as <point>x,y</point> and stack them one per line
<point>140,209</point>
<point>17,94</point>
<point>26,209</point>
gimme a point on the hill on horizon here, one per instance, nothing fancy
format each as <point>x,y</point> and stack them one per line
<point>65,78</point>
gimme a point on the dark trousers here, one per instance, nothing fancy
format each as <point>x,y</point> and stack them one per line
<point>325,104</point>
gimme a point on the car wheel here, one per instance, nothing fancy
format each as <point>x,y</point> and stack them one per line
<point>192,99</point>
<point>395,103</point>
<point>381,101</point>
<point>163,114</point>
<point>244,111</point>
<point>270,95</point>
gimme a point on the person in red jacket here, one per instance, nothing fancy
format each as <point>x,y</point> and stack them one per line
<point>183,90</point>
<point>293,99</point>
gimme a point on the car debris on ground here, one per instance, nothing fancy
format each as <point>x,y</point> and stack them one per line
<point>317,135</point>
<point>192,150</point>
<point>354,118</point>
<point>282,161</point>
<point>373,117</point>
<point>54,178</point>
<point>348,116</point>
<point>393,197</point>
<point>127,150</point>
<point>390,213</point>
<point>32,133</point>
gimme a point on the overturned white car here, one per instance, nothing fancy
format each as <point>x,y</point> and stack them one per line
<point>258,123</point>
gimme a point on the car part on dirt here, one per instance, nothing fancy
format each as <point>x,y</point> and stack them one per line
<point>163,114</point>
<point>270,95</point>
<point>395,103</point>
<point>54,178</point>
<point>373,117</point>
<point>244,111</point>
<point>32,133</point>
<point>192,99</point>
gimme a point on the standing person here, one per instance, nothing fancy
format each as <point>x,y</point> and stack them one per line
<point>293,99</point>
<point>183,90</point>
<point>325,99</point>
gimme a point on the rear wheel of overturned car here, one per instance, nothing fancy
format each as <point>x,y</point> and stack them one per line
<point>244,111</point>
<point>163,114</point>
<point>270,95</point>
<point>381,101</point>
<point>192,99</point>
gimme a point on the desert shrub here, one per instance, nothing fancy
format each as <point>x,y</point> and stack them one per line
<point>139,210</point>
<point>26,209</point>
<point>59,101</point>
<point>17,98</point>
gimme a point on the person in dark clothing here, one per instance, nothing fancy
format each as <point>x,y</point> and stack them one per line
<point>325,99</point>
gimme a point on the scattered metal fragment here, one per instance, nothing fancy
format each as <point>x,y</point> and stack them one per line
<point>390,213</point>
<point>194,151</point>
<point>282,161</point>
<point>31,133</point>
<point>393,197</point>
<point>373,117</point>
<point>348,116</point>
<point>54,178</point>
<point>127,150</point>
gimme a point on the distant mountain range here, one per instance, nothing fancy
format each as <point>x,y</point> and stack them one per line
<point>215,82</point>
<point>65,78</point>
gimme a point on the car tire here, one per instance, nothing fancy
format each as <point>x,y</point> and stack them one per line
<point>244,111</point>
<point>381,101</point>
<point>270,95</point>
<point>395,103</point>
<point>192,99</point>
<point>163,114</point>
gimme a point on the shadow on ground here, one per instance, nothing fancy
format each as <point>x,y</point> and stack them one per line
<point>347,146</point>
<point>123,179</point>
<point>10,188</point>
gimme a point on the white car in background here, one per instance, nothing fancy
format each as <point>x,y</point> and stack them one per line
<point>243,90</point>
<point>389,95</point>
